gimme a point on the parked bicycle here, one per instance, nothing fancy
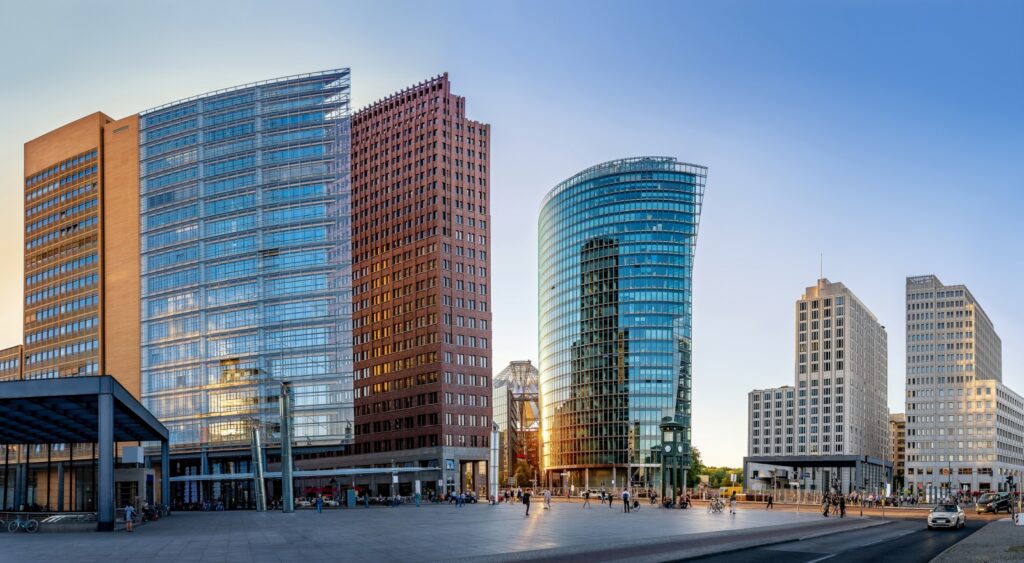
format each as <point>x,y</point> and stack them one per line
<point>27,524</point>
<point>716,505</point>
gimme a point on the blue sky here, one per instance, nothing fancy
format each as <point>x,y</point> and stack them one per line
<point>887,135</point>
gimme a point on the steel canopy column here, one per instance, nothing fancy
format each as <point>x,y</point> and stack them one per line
<point>165,473</point>
<point>60,487</point>
<point>287,484</point>
<point>105,480</point>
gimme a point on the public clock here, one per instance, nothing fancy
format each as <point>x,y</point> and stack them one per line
<point>679,448</point>
<point>668,448</point>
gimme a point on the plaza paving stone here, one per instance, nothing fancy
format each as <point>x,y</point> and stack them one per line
<point>428,533</point>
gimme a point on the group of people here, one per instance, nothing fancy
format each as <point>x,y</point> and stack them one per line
<point>833,503</point>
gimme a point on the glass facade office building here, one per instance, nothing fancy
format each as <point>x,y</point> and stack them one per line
<point>616,246</point>
<point>246,266</point>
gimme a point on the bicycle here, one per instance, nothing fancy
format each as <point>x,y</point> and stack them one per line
<point>716,506</point>
<point>27,524</point>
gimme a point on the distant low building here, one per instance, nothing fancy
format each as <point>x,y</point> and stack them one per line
<point>517,415</point>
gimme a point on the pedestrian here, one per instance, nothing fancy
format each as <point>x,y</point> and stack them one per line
<point>770,505</point>
<point>129,517</point>
<point>842,507</point>
<point>732,503</point>
<point>547,499</point>
<point>611,497</point>
<point>320,504</point>
<point>526,500</point>
<point>586,499</point>
<point>366,499</point>
<point>625,500</point>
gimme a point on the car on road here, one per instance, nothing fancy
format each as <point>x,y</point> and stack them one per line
<point>994,502</point>
<point>947,516</point>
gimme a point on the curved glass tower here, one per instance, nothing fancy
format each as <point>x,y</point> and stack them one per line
<point>616,245</point>
<point>246,265</point>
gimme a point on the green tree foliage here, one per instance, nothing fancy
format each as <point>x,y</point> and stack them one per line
<point>523,473</point>
<point>696,468</point>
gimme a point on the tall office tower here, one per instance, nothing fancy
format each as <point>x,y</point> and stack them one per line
<point>963,424</point>
<point>841,371</point>
<point>616,246</point>
<point>898,444</point>
<point>517,414</point>
<point>840,375</point>
<point>246,273</point>
<point>81,260</point>
<point>422,321</point>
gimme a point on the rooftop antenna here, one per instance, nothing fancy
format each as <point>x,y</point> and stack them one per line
<point>821,265</point>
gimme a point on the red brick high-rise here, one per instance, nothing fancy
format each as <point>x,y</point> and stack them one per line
<point>421,305</point>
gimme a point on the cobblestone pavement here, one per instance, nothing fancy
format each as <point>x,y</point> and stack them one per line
<point>429,533</point>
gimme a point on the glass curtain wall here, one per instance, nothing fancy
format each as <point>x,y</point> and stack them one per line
<point>246,261</point>
<point>616,246</point>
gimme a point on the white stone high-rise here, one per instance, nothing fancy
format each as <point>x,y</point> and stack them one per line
<point>841,374</point>
<point>965,429</point>
<point>838,436</point>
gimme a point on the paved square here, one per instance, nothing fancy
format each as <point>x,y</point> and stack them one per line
<point>429,533</point>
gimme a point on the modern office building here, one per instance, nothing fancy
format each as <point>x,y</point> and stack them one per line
<point>81,264</point>
<point>517,414</point>
<point>771,414</point>
<point>616,247</point>
<point>898,445</point>
<point>421,275</point>
<point>840,376</point>
<point>246,273</point>
<point>11,363</point>
<point>81,275</point>
<point>773,421</point>
<point>963,424</point>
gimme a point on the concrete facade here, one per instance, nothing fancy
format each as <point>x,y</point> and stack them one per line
<point>840,374</point>
<point>963,424</point>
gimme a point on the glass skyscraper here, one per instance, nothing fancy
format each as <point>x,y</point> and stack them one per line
<point>616,246</point>
<point>246,266</point>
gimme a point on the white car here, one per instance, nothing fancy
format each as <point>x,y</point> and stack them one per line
<point>947,516</point>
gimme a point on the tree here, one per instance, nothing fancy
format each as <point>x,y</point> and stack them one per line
<point>696,468</point>
<point>524,473</point>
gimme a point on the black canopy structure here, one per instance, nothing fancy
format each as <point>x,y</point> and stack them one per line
<point>93,409</point>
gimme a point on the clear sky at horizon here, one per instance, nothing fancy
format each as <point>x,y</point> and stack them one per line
<point>888,136</point>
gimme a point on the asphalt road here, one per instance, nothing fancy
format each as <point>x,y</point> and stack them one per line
<point>902,541</point>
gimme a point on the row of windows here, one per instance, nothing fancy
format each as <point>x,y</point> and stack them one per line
<point>64,268</point>
<point>66,287</point>
<point>64,329</point>
<point>58,168</point>
<point>66,307</point>
<point>74,209</point>
<point>60,199</point>
<point>69,230</point>
<point>61,351</point>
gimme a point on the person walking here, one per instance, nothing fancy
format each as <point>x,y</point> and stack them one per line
<point>129,517</point>
<point>547,499</point>
<point>732,503</point>
<point>586,499</point>
<point>320,504</point>
<point>611,498</point>
<point>625,500</point>
<point>770,505</point>
<point>842,506</point>
<point>526,500</point>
